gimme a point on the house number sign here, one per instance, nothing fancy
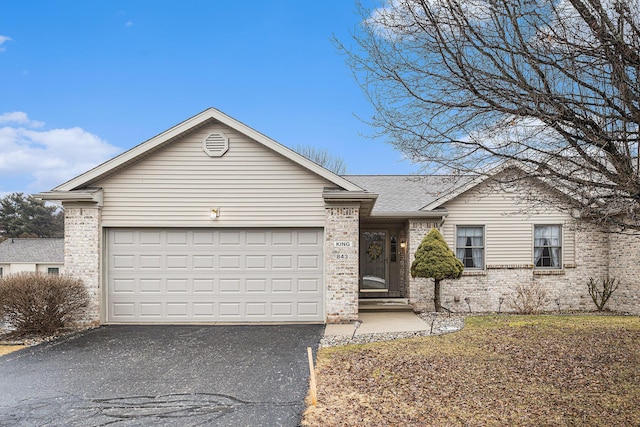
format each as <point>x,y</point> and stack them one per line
<point>338,244</point>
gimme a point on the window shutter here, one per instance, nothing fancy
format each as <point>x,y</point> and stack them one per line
<point>215,144</point>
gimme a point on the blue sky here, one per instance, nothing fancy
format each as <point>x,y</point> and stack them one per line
<point>82,81</point>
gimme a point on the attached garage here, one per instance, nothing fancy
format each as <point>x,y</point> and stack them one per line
<point>211,275</point>
<point>211,221</point>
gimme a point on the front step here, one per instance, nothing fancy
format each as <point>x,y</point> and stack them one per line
<point>384,304</point>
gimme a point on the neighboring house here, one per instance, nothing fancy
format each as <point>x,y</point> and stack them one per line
<point>211,221</point>
<point>31,255</point>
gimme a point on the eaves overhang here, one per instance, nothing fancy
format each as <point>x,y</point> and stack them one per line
<point>436,214</point>
<point>87,196</point>
<point>364,199</point>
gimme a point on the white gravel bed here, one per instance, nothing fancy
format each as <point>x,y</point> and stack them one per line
<point>437,324</point>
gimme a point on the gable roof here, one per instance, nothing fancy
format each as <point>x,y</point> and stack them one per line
<point>408,193</point>
<point>44,250</point>
<point>472,181</point>
<point>167,137</point>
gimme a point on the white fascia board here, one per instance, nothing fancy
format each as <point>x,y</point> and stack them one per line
<point>211,113</point>
<point>441,213</point>
<point>347,196</point>
<point>364,199</point>
<point>92,195</point>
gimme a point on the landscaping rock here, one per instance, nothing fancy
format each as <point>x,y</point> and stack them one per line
<point>437,324</point>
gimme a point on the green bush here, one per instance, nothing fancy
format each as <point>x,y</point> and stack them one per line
<point>434,260</point>
<point>37,304</point>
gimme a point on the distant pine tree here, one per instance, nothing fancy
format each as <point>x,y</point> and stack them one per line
<point>25,216</point>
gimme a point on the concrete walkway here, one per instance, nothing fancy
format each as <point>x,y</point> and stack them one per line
<point>380,322</point>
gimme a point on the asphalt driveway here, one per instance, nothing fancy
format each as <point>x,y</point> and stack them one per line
<point>161,375</point>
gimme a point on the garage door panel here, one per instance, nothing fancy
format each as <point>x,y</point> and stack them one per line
<point>177,238</point>
<point>123,262</point>
<point>150,285</point>
<point>162,311</point>
<point>181,276</point>
<point>229,238</point>
<point>150,238</point>
<point>229,262</point>
<point>203,262</point>
<point>256,238</point>
<point>309,239</point>
<point>308,262</point>
<point>123,310</point>
<point>123,237</point>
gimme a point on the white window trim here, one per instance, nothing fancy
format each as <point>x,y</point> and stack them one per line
<point>533,245</point>
<point>484,244</point>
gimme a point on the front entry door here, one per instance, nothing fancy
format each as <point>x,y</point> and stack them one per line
<point>374,276</point>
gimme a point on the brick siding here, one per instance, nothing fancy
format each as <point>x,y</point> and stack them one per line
<point>82,253</point>
<point>598,254</point>
<point>341,263</point>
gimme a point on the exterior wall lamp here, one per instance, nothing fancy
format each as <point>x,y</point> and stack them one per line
<point>215,213</point>
<point>403,244</point>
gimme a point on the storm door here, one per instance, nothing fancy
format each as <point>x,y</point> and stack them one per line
<point>374,276</point>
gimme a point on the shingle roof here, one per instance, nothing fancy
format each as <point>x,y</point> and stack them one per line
<point>407,193</point>
<point>46,250</point>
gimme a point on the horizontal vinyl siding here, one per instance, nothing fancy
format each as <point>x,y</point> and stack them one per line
<point>508,226</point>
<point>179,185</point>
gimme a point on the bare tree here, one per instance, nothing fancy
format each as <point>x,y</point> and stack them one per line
<point>323,158</point>
<point>552,85</point>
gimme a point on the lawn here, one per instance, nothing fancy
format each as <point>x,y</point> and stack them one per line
<point>6,349</point>
<point>497,371</point>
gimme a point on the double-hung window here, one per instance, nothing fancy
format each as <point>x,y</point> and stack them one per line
<point>470,246</point>
<point>547,246</point>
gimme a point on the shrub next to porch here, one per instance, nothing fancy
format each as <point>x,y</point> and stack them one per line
<point>434,259</point>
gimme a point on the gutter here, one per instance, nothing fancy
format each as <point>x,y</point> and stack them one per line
<point>414,214</point>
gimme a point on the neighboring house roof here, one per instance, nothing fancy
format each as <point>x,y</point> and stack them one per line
<point>408,193</point>
<point>45,250</point>
<point>181,129</point>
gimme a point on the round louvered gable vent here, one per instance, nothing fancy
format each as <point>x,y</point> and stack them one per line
<point>215,144</point>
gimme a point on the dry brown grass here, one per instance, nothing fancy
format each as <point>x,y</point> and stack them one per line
<point>6,349</point>
<point>499,370</point>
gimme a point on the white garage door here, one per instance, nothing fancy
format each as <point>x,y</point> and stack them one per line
<point>214,275</point>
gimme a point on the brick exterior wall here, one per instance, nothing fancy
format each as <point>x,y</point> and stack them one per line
<point>481,291</point>
<point>341,263</point>
<point>82,253</point>
<point>420,290</point>
<point>625,265</point>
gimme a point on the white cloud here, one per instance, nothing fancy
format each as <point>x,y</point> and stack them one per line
<point>20,118</point>
<point>398,19</point>
<point>128,24</point>
<point>46,157</point>
<point>2,40</point>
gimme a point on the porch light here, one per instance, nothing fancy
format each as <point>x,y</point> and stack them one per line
<point>403,244</point>
<point>215,213</point>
